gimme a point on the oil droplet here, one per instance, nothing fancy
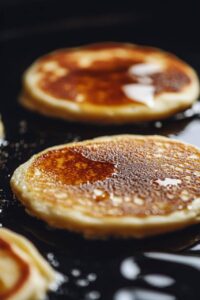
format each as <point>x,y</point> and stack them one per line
<point>92,277</point>
<point>191,112</point>
<point>82,282</point>
<point>76,272</point>
<point>3,142</point>
<point>159,280</point>
<point>158,124</point>
<point>129,269</point>
<point>183,259</point>
<point>59,280</point>
<point>195,248</point>
<point>93,295</point>
<point>139,294</point>
<point>53,261</point>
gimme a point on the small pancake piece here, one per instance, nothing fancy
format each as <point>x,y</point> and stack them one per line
<point>24,274</point>
<point>126,185</point>
<point>109,83</point>
<point>1,129</point>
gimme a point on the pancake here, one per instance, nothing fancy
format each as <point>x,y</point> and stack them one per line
<point>24,274</point>
<point>109,83</point>
<point>123,186</point>
<point>1,129</point>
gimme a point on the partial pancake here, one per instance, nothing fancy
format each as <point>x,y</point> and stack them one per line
<point>1,129</point>
<point>24,274</point>
<point>124,186</point>
<point>109,83</point>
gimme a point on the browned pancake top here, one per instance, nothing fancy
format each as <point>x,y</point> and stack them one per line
<point>23,270</point>
<point>126,177</point>
<point>101,83</point>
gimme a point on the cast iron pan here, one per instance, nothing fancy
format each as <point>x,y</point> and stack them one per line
<point>162,268</point>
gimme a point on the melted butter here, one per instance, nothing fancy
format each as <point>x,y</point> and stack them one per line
<point>144,91</point>
<point>145,69</point>
<point>141,93</point>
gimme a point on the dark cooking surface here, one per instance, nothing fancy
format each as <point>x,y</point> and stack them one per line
<point>106,270</point>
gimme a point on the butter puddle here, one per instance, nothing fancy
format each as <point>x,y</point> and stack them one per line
<point>140,92</point>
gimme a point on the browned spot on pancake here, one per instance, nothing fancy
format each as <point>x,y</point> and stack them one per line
<point>101,83</point>
<point>135,188</point>
<point>70,167</point>
<point>23,270</point>
<point>170,81</point>
<point>97,87</point>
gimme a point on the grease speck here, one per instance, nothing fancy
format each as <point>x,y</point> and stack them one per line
<point>82,282</point>
<point>76,272</point>
<point>93,295</point>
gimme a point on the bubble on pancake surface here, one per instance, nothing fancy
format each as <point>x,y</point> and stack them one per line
<point>120,177</point>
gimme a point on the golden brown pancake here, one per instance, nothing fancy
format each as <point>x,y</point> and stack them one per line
<point>126,185</point>
<point>109,83</point>
<point>24,274</point>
